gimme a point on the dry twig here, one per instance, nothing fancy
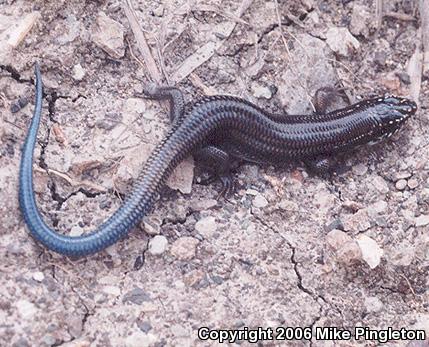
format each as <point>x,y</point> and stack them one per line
<point>141,41</point>
<point>400,16</point>
<point>414,70</point>
<point>379,13</point>
<point>205,52</point>
<point>424,15</point>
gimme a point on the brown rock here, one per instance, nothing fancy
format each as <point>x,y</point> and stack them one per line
<point>357,222</point>
<point>108,34</point>
<point>184,248</point>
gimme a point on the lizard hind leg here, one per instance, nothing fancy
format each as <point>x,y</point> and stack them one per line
<point>218,162</point>
<point>172,94</point>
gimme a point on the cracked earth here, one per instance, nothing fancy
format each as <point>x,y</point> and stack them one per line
<point>287,249</point>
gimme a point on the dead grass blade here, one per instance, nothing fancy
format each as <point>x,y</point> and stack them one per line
<point>414,70</point>
<point>424,15</point>
<point>141,42</point>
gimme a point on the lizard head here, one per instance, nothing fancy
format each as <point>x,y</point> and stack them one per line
<point>391,112</point>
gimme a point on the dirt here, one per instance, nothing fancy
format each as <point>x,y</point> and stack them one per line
<point>271,255</point>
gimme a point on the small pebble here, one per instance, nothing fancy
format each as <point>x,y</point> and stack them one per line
<point>259,201</point>
<point>403,256</point>
<point>337,238</point>
<point>78,72</point>
<point>402,175</point>
<point>184,248</point>
<point>357,222</point>
<point>137,106</point>
<point>26,309</point>
<point>137,296</point>
<point>346,249</point>
<point>401,184</point>
<point>112,290</point>
<point>158,245</point>
<point>139,339</point>
<point>144,326</point>
<point>76,230</point>
<point>413,183</point>
<point>373,304</point>
<point>361,20</point>
<point>261,91</point>
<point>380,184</point>
<point>203,204</point>
<point>38,276</point>
<point>378,207</point>
<point>252,192</point>
<point>422,220</point>
<point>19,104</point>
<point>159,11</point>
<point>371,251</point>
<point>151,225</point>
<point>206,226</point>
<point>360,169</point>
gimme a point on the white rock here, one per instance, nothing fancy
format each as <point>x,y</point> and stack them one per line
<point>422,220</point>
<point>206,226</point>
<point>378,207</point>
<point>260,91</point>
<point>76,230</point>
<point>112,290</point>
<point>17,30</point>
<point>108,34</point>
<point>140,339</point>
<point>26,309</point>
<point>371,251</point>
<point>38,276</point>
<point>253,192</point>
<point>402,175</point>
<point>413,183</point>
<point>373,304</point>
<point>78,72</point>
<point>179,330</point>
<point>401,184</point>
<point>341,41</point>
<point>184,248</point>
<point>135,106</point>
<point>259,201</point>
<point>380,184</point>
<point>158,245</point>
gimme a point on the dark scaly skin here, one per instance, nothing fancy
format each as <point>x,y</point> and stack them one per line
<point>222,122</point>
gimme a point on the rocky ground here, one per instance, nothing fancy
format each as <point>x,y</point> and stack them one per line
<point>288,249</point>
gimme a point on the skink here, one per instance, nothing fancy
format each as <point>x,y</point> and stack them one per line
<point>218,127</point>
